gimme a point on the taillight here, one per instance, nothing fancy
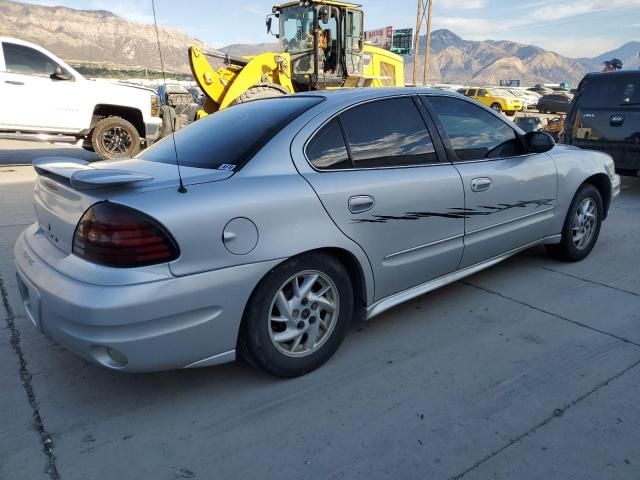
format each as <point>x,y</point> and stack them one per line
<point>119,236</point>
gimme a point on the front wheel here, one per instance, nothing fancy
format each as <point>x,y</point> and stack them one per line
<point>115,137</point>
<point>297,316</point>
<point>581,226</point>
<point>510,113</point>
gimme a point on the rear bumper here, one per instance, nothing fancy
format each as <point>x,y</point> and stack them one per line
<point>625,156</point>
<point>176,322</point>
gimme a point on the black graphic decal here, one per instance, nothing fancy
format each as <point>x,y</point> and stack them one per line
<point>457,212</point>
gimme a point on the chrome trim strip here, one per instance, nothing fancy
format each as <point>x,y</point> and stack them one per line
<point>482,229</point>
<point>386,303</point>
<point>426,245</point>
<point>218,359</point>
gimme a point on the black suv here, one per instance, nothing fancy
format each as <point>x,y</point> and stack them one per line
<point>605,116</point>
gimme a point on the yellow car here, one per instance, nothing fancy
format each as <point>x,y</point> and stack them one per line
<point>499,100</point>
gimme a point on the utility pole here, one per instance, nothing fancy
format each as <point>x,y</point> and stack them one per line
<point>424,10</point>
<point>427,50</point>
<point>416,43</point>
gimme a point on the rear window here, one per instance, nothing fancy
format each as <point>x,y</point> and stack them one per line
<point>611,91</point>
<point>228,139</point>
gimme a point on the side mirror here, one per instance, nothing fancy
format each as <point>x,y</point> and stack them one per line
<point>269,21</point>
<point>539,142</point>
<point>61,74</point>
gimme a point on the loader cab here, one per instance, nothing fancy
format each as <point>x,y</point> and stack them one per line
<point>324,41</point>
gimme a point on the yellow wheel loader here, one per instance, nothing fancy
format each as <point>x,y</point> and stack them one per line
<point>321,47</point>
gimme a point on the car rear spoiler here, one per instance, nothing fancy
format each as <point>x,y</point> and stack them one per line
<point>82,176</point>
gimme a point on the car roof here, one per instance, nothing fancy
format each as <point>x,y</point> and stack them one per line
<point>616,74</point>
<point>360,94</point>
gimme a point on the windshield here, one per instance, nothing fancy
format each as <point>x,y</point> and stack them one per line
<point>226,140</point>
<point>296,29</point>
<point>501,93</point>
<point>609,91</point>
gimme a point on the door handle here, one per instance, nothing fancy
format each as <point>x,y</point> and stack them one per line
<point>480,184</point>
<point>13,82</point>
<point>361,203</point>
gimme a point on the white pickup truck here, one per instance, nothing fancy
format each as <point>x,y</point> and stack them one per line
<point>43,98</point>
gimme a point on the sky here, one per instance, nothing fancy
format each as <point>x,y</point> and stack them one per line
<point>575,28</point>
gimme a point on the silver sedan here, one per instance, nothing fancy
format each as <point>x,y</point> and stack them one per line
<point>265,229</point>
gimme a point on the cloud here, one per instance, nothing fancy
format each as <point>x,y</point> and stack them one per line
<point>577,47</point>
<point>461,4</point>
<point>256,10</point>
<point>553,11</point>
<point>474,28</point>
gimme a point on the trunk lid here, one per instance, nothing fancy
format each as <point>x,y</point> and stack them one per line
<point>65,188</point>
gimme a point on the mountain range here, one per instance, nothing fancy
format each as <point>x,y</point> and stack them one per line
<point>97,37</point>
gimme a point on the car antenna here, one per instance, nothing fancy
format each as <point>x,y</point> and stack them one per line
<point>181,188</point>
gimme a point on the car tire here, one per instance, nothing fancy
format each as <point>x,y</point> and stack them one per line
<point>510,113</point>
<point>115,137</point>
<point>573,247</point>
<point>258,92</point>
<point>542,109</point>
<point>496,107</point>
<point>286,347</point>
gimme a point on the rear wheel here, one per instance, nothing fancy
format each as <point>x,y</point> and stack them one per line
<point>115,137</point>
<point>496,107</point>
<point>257,92</point>
<point>581,226</point>
<point>297,316</point>
<point>510,113</point>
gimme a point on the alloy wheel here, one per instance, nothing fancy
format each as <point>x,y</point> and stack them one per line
<point>303,313</point>
<point>584,223</point>
<point>116,140</point>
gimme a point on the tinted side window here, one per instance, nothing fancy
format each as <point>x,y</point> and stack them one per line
<point>230,138</point>
<point>327,148</point>
<point>28,61</point>
<point>471,92</point>
<point>388,133</point>
<point>606,91</point>
<point>474,133</point>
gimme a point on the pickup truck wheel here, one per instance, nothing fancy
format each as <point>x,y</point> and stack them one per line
<point>581,226</point>
<point>115,137</point>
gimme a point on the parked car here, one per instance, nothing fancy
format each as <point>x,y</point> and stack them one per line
<point>529,124</point>
<point>555,103</point>
<point>542,90</point>
<point>295,215</point>
<point>43,98</point>
<point>605,116</point>
<point>528,99</point>
<point>497,99</point>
